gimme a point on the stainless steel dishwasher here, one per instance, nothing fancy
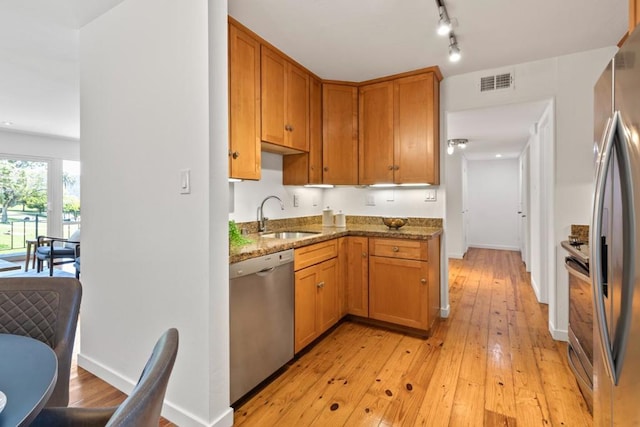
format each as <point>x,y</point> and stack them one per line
<point>261,296</point>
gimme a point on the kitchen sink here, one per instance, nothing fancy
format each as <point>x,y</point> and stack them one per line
<point>289,234</point>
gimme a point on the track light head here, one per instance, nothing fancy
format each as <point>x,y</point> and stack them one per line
<point>454,49</point>
<point>444,23</point>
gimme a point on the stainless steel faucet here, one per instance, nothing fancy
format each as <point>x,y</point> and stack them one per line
<point>262,220</point>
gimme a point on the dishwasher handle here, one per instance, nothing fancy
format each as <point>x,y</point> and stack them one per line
<point>265,271</point>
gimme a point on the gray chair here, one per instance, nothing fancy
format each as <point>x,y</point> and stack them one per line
<point>46,309</point>
<point>57,251</point>
<point>143,406</point>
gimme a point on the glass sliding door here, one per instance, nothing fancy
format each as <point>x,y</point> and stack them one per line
<point>24,200</point>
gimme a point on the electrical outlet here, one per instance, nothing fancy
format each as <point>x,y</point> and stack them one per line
<point>369,200</point>
<point>430,196</point>
<point>390,195</point>
<point>296,200</point>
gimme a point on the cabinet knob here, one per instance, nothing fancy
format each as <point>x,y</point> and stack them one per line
<point>396,167</point>
<point>326,169</point>
<point>290,128</point>
<point>395,249</point>
<point>423,281</point>
<point>390,167</point>
<point>235,155</point>
<point>286,127</point>
<point>229,154</point>
<point>320,285</point>
<point>364,254</point>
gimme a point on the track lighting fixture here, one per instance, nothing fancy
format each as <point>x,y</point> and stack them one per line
<point>445,28</point>
<point>461,143</point>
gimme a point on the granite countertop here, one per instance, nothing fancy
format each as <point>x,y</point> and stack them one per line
<point>580,252</point>
<point>264,246</point>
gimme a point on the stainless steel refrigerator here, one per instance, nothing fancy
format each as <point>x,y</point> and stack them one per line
<point>615,240</point>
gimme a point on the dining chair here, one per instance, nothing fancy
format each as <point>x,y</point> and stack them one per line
<point>143,406</point>
<point>56,250</point>
<point>46,309</point>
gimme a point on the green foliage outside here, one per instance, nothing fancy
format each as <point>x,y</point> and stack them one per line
<point>19,182</point>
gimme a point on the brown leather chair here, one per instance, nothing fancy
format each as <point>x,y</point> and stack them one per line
<point>46,309</point>
<point>143,406</point>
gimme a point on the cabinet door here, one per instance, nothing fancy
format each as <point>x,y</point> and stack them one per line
<point>398,291</point>
<point>328,309</point>
<point>297,108</point>
<point>306,326</point>
<point>634,14</point>
<point>273,96</point>
<point>375,133</point>
<point>306,168</point>
<point>357,276</point>
<point>339,134</point>
<point>434,280</point>
<point>417,137</point>
<point>315,132</point>
<point>244,105</point>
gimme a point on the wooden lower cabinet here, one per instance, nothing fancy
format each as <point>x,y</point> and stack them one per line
<point>357,276</point>
<point>316,301</point>
<point>398,291</point>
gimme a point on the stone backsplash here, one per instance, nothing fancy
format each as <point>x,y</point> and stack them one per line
<point>292,223</point>
<point>581,231</point>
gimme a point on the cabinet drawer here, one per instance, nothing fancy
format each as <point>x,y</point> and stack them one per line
<point>313,254</point>
<point>399,248</point>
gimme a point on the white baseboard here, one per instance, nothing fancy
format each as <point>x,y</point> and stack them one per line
<point>536,289</point>
<point>444,312</point>
<point>558,334</point>
<point>170,411</point>
<point>497,247</point>
<point>456,255</point>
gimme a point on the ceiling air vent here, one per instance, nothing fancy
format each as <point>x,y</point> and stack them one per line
<point>499,81</point>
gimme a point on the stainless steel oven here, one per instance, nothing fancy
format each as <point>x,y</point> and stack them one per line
<point>580,350</point>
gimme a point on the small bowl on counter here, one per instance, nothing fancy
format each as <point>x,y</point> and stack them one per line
<point>394,223</point>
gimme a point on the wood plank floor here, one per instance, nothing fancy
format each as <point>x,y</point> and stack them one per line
<point>491,363</point>
<point>88,391</point>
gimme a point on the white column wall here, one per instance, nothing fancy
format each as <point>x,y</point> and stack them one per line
<point>148,70</point>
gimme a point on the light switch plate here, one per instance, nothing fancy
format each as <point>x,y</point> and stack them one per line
<point>369,200</point>
<point>296,200</point>
<point>185,181</point>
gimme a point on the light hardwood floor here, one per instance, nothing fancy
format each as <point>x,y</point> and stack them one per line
<point>491,363</point>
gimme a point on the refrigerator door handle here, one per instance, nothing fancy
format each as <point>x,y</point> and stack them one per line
<point>597,248</point>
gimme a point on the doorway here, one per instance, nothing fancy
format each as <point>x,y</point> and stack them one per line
<point>516,205</point>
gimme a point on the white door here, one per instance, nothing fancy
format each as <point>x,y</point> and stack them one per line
<point>523,210</point>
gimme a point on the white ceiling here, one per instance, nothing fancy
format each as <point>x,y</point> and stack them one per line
<point>500,130</point>
<point>336,39</point>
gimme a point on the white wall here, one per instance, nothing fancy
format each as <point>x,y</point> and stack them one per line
<point>153,73</point>
<point>246,196</point>
<point>493,204</point>
<point>569,81</point>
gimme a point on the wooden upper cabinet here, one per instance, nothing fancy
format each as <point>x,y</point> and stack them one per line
<point>285,104</point>
<point>244,105</point>
<point>301,169</point>
<point>634,14</point>
<point>399,131</point>
<point>339,134</point>
<point>376,133</point>
<point>417,129</point>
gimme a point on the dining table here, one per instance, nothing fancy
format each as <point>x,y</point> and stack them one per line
<point>28,374</point>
